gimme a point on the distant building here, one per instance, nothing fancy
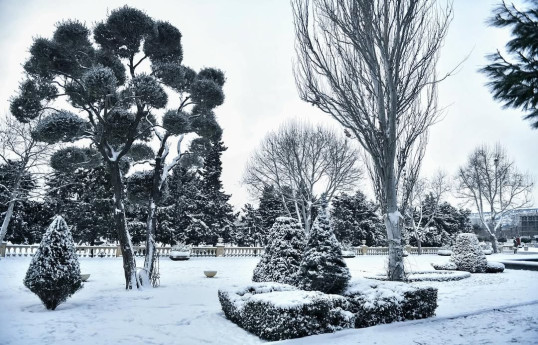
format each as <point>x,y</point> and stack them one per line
<point>515,223</point>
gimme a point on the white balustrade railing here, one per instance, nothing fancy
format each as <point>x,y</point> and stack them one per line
<point>13,250</point>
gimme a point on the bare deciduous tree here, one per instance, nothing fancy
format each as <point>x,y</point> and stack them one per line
<point>371,65</point>
<point>491,182</point>
<point>434,188</point>
<point>303,161</point>
<point>18,145</point>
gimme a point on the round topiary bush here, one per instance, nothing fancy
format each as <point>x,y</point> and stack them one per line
<point>280,262</point>
<point>54,273</point>
<point>322,266</point>
<point>467,254</point>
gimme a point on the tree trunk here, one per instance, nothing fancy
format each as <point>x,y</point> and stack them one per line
<point>393,223</point>
<point>10,208</point>
<point>493,240</point>
<point>129,263</point>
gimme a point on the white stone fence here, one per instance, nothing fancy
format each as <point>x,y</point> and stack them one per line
<point>11,250</point>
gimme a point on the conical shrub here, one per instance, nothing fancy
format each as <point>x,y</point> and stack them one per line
<point>282,256</point>
<point>467,254</point>
<point>54,273</point>
<point>322,267</point>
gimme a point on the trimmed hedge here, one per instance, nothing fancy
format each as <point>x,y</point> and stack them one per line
<point>276,311</point>
<point>494,267</point>
<point>376,302</point>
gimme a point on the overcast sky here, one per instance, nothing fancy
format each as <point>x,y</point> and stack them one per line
<point>252,42</point>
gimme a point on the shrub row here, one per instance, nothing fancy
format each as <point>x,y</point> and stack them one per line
<point>276,311</point>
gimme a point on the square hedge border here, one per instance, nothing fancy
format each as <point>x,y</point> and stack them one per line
<point>275,311</point>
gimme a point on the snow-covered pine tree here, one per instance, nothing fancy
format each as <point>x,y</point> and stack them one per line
<point>467,254</point>
<point>355,219</point>
<point>280,262</point>
<point>54,273</point>
<point>322,267</point>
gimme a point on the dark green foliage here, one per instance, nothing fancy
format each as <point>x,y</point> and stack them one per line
<point>176,122</point>
<point>283,254</point>
<point>123,31</point>
<point>147,89</point>
<point>270,208</point>
<point>139,186</point>
<point>69,158</point>
<point>163,44</point>
<point>207,93</point>
<point>213,74</point>
<point>140,152</point>
<point>99,82</point>
<point>54,273</point>
<point>249,232</point>
<point>31,100</point>
<point>8,175</point>
<point>84,198</point>
<point>322,267</point>
<point>205,125</point>
<point>28,222</point>
<point>514,81</point>
<point>355,219</point>
<point>174,75</point>
<point>60,126</point>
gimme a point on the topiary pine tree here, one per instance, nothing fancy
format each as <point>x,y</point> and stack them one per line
<point>102,82</point>
<point>514,82</point>
<point>467,254</point>
<point>280,262</point>
<point>322,267</point>
<point>54,273</point>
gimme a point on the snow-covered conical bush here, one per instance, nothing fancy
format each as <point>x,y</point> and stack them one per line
<point>467,254</point>
<point>322,266</point>
<point>54,273</point>
<point>282,256</point>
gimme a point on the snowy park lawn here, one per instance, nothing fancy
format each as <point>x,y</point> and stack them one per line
<point>482,309</point>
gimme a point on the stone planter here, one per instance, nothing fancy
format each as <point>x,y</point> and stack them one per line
<point>210,274</point>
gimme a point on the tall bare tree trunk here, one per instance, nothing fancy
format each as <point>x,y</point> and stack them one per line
<point>129,263</point>
<point>11,206</point>
<point>393,223</point>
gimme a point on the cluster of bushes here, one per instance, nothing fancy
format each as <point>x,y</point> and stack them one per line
<point>275,311</point>
<point>303,288</point>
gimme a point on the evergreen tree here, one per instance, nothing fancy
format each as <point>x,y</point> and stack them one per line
<point>355,219</point>
<point>447,223</point>
<point>271,207</point>
<point>54,273</point>
<point>29,222</point>
<point>217,215</point>
<point>467,254</point>
<point>282,257</point>
<point>514,81</point>
<point>322,267</point>
<point>83,197</point>
<point>249,231</point>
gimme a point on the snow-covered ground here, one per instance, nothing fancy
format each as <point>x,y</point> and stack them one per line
<point>483,309</point>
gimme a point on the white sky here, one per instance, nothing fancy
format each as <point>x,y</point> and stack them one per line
<point>252,42</point>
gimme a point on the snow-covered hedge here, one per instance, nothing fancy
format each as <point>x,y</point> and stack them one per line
<point>494,267</point>
<point>279,311</point>
<point>376,302</point>
<point>275,311</point>
<point>447,274</point>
